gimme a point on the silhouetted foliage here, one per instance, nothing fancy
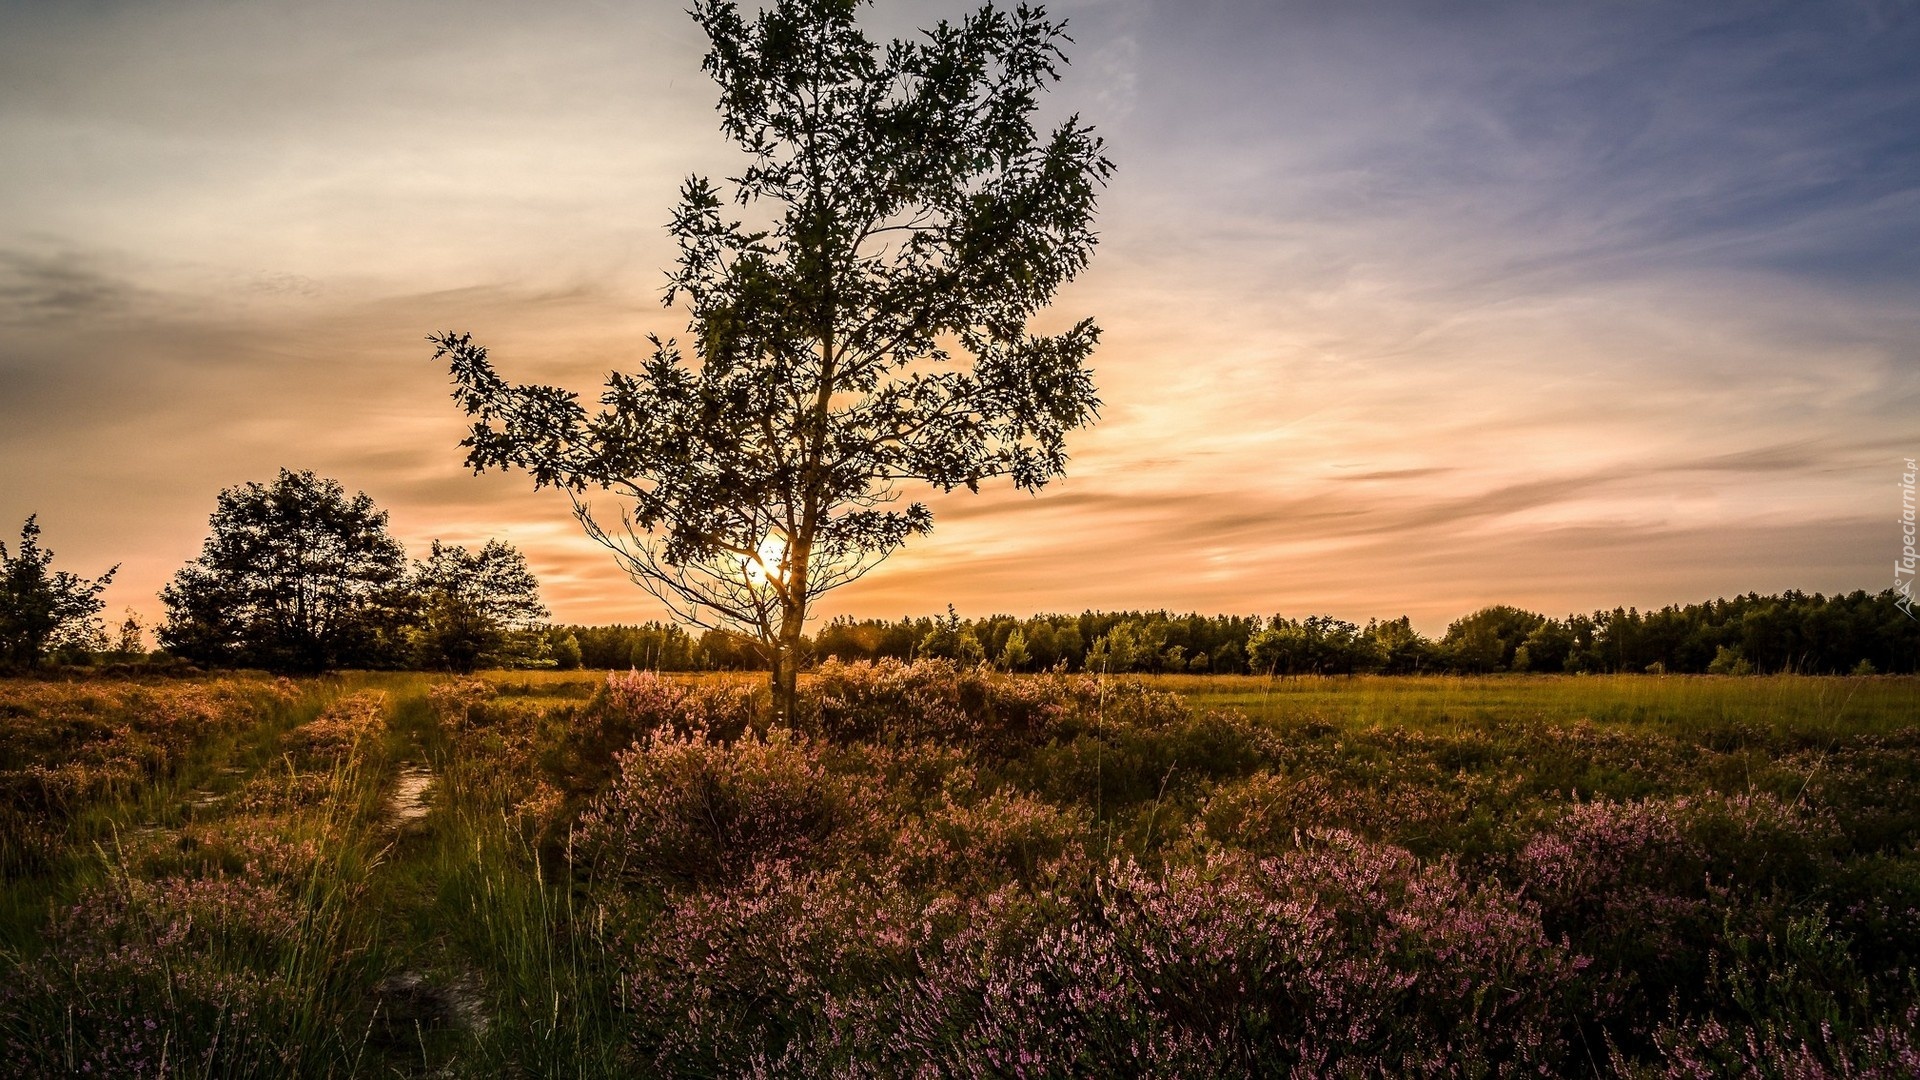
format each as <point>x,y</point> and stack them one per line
<point>1488,639</point>
<point>952,639</point>
<point>870,329</point>
<point>646,647</point>
<point>130,637</point>
<point>1854,633</point>
<point>477,609</point>
<point>1398,649</point>
<point>1317,644</point>
<point>42,609</point>
<point>295,576</point>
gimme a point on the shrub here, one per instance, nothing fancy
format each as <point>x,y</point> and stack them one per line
<point>1346,957</point>
<point>341,728</point>
<point>755,977</point>
<point>1266,811</point>
<point>689,808</point>
<point>977,845</point>
<point>1710,1048</point>
<point>459,703</point>
<point>631,707</point>
<point>184,976</point>
<point>1124,763</point>
<point>1652,889</point>
<point>888,701</point>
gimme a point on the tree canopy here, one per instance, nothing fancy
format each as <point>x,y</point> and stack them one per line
<point>863,324</point>
<point>295,576</point>
<point>478,608</point>
<point>42,609</point>
<point>1856,632</point>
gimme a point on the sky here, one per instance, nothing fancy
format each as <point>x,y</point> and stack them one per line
<point>1407,308</point>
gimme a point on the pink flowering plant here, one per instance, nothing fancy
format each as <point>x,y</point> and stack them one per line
<point>936,870</point>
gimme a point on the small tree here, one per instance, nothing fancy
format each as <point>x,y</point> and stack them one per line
<point>951,639</point>
<point>132,637</point>
<point>1729,662</point>
<point>1013,654</point>
<point>43,609</point>
<point>1127,647</point>
<point>869,329</point>
<point>1546,648</point>
<point>1488,639</point>
<point>565,648</point>
<point>294,577</point>
<point>478,608</point>
<point>1317,644</point>
<point>1397,648</point>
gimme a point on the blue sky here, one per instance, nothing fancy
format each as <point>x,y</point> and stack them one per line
<point>1409,308</point>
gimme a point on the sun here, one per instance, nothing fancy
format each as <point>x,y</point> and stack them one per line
<point>769,563</point>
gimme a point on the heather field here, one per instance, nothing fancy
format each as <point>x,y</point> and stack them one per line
<point>935,871</point>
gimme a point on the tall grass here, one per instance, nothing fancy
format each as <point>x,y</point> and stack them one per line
<point>210,918</point>
<point>970,873</point>
<point>1682,705</point>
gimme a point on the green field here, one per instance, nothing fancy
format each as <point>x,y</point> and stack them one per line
<point>1776,703</point>
<point>545,874</point>
<point>1678,703</point>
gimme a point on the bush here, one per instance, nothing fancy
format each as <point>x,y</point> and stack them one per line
<point>1709,1048</point>
<point>755,978</point>
<point>692,809</point>
<point>631,707</point>
<point>340,730</point>
<point>1654,890</point>
<point>974,846</point>
<point>1344,956</point>
<point>1156,756</point>
<point>1267,811</point>
<point>226,962</point>
<point>887,701</point>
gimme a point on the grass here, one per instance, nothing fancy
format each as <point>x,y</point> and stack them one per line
<point>1781,704</point>
<point>1675,704</point>
<point>251,893</point>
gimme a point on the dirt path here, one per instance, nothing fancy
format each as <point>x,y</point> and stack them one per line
<point>408,805</point>
<point>431,1007</point>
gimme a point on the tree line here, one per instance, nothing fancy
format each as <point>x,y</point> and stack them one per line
<point>296,576</point>
<point>1850,633</point>
<point>1853,632</point>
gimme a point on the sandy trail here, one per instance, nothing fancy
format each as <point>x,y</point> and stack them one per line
<point>408,804</point>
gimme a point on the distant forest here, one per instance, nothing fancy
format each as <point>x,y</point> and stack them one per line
<point>1855,633</point>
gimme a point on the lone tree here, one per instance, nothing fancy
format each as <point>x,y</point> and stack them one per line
<point>868,327</point>
<point>478,608</point>
<point>43,609</point>
<point>296,576</point>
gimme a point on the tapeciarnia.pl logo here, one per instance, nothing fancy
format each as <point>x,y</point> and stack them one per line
<point>1903,567</point>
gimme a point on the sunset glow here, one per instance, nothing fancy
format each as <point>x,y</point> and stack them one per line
<point>1404,310</point>
<point>769,563</point>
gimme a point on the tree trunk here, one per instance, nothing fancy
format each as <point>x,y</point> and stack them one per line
<point>793,623</point>
<point>786,671</point>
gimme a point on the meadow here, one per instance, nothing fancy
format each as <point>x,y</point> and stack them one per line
<point>937,871</point>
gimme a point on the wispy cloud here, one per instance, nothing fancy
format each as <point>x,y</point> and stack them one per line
<point>1407,308</point>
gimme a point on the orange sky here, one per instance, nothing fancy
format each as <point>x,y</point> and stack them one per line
<point>1402,315</point>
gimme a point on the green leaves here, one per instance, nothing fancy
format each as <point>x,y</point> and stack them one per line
<point>861,324</point>
<point>295,576</point>
<point>481,608</point>
<point>41,608</point>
